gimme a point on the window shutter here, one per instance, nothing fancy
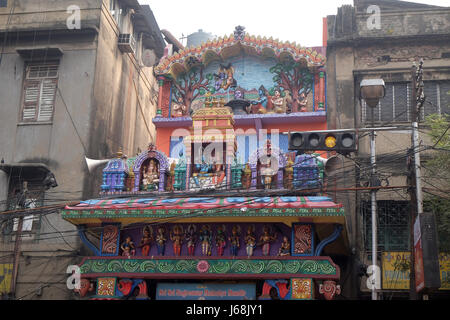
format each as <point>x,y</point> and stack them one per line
<point>47,99</point>
<point>31,89</point>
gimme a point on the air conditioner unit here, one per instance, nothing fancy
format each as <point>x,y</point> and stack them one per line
<point>127,43</point>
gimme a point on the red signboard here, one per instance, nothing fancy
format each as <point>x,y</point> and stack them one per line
<point>418,256</point>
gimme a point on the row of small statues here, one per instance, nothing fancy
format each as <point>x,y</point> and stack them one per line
<point>190,236</point>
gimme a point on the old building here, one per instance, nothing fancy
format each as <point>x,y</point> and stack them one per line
<point>382,39</point>
<point>76,81</point>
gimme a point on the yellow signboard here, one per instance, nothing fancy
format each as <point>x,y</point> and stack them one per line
<point>5,277</point>
<point>395,272</point>
<point>444,267</point>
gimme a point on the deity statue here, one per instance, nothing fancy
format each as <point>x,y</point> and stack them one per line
<point>246,177</point>
<point>221,240</point>
<point>177,238</point>
<point>285,248</point>
<point>235,241</point>
<point>128,248</point>
<point>268,174</point>
<point>191,238</point>
<point>265,240</point>
<point>203,169</point>
<point>171,177</point>
<point>225,77</point>
<point>219,173</point>
<point>205,238</point>
<point>260,105</point>
<point>150,175</point>
<point>278,102</point>
<point>161,240</point>
<point>250,241</point>
<point>147,238</point>
<point>179,109</point>
<point>289,175</point>
<point>302,102</point>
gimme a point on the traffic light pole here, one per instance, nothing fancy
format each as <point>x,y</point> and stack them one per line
<point>373,196</point>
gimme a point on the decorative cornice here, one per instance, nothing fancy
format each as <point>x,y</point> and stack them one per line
<point>223,48</point>
<point>207,267</point>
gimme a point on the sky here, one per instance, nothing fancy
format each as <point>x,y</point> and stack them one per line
<point>286,20</point>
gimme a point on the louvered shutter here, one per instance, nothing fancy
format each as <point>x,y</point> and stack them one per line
<point>47,99</point>
<point>31,99</point>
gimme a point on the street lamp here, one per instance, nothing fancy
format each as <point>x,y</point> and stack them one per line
<point>371,91</point>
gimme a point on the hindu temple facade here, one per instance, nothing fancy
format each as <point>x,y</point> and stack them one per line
<point>219,207</point>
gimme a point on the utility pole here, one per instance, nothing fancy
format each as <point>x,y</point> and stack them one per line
<point>417,101</point>
<point>373,199</point>
<point>21,203</point>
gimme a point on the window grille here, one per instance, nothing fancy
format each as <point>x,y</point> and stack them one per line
<point>392,225</point>
<point>395,106</point>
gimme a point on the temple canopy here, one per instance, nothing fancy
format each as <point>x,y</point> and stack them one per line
<point>288,210</point>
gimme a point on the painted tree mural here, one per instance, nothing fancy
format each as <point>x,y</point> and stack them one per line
<point>295,78</point>
<point>190,85</point>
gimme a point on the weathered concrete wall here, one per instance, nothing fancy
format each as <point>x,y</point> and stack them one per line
<point>424,22</point>
<point>124,93</point>
<point>35,15</point>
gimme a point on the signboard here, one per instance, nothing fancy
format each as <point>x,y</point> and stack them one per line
<point>205,291</point>
<point>444,268</point>
<point>394,276</point>
<point>395,270</point>
<point>5,277</point>
<point>418,256</point>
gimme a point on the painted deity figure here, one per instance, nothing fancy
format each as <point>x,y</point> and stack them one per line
<point>147,238</point>
<point>179,109</point>
<point>221,240</point>
<point>250,241</point>
<point>289,174</point>
<point>191,238</point>
<point>177,238</point>
<point>219,173</point>
<point>151,176</point>
<point>171,177</point>
<point>265,240</point>
<point>266,171</point>
<point>285,248</point>
<point>203,171</point>
<point>128,248</point>
<point>235,241</point>
<point>161,240</point>
<point>260,105</point>
<point>278,102</point>
<point>246,176</point>
<point>205,238</point>
<point>302,102</point>
<point>225,77</point>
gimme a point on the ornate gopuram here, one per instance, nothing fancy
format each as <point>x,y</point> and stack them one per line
<point>218,207</point>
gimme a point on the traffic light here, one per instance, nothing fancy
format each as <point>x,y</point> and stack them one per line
<point>341,142</point>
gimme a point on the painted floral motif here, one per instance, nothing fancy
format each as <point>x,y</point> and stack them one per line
<point>301,289</point>
<point>203,266</point>
<point>106,286</point>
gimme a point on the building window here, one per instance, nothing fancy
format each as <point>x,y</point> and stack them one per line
<point>39,92</point>
<point>396,105</point>
<point>392,225</point>
<point>3,3</point>
<point>116,12</point>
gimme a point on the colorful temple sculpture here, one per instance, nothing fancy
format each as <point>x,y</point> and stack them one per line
<point>219,201</point>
